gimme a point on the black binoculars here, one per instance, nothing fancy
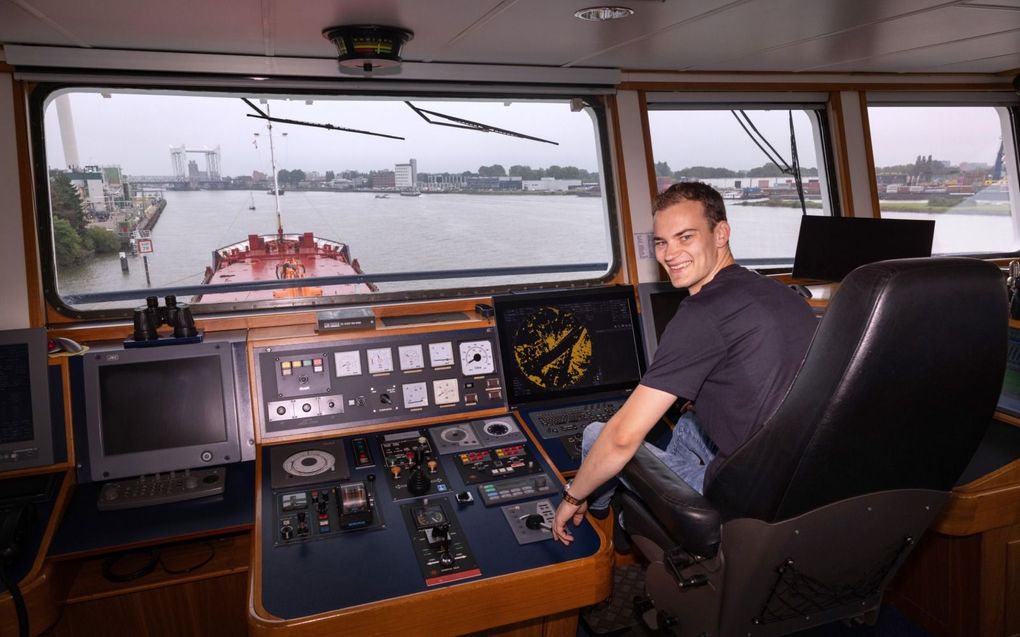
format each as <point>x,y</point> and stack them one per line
<point>149,317</point>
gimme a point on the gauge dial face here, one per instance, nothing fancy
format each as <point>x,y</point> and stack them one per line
<point>476,358</point>
<point>411,357</point>
<point>441,354</point>
<point>348,363</point>
<point>446,391</point>
<point>415,395</point>
<point>429,516</point>
<point>380,360</point>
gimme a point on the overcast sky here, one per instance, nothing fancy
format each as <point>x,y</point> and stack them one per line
<point>136,130</point>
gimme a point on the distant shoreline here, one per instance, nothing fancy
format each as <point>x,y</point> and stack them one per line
<point>889,206</point>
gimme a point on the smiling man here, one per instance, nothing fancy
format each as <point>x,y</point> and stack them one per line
<point>733,348</point>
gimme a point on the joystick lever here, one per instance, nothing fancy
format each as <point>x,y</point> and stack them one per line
<point>417,482</point>
<point>441,537</point>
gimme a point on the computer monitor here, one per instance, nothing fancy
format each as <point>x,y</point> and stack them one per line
<point>568,343</point>
<point>829,248</point>
<point>658,301</point>
<point>26,432</point>
<point>157,409</point>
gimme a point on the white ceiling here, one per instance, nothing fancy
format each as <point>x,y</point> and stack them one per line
<point>931,36</point>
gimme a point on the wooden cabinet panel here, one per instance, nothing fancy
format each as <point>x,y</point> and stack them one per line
<point>211,607</point>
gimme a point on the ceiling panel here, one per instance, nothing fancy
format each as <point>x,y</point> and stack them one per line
<point>756,27</point>
<point>542,32</point>
<point>434,23</point>
<point>183,25</point>
<point>682,35</point>
<point>971,51</point>
<point>853,49</point>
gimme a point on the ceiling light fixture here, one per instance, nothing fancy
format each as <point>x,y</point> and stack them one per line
<point>365,47</point>
<point>600,14</point>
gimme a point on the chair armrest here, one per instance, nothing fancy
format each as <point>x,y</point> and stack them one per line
<point>685,515</point>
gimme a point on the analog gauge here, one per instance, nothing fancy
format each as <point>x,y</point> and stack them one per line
<point>427,517</point>
<point>411,357</point>
<point>415,395</point>
<point>441,354</point>
<point>380,360</point>
<point>476,358</point>
<point>348,363</point>
<point>446,391</point>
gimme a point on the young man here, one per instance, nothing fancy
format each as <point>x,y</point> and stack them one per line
<point>733,348</point>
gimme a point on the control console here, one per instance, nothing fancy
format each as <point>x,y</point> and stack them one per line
<point>347,520</point>
<point>327,385</point>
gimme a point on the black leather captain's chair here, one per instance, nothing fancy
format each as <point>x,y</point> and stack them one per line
<point>809,520</point>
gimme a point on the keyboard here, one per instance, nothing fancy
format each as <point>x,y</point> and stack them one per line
<point>562,422</point>
<point>161,488</point>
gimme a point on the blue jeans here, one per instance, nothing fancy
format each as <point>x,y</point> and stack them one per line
<point>688,453</point>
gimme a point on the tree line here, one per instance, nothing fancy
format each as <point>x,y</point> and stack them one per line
<point>73,238</point>
<point>294,177</point>
<point>768,169</point>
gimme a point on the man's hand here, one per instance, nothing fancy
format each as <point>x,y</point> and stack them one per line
<point>567,512</point>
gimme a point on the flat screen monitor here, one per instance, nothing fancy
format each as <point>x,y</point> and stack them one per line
<point>659,301</point>
<point>158,409</point>
<point>829,248</point>
<point>26,432</point>
<point>568,343</point>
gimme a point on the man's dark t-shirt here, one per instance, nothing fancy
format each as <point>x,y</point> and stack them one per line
<point>734,349</point>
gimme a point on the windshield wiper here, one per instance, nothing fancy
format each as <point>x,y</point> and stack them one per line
<point>774,156</point>
<point>457,122</point>
<point>281,120</point>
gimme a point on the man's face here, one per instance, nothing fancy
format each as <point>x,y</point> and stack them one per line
<point>690,253</point>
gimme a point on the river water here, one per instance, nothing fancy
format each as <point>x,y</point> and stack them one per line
<point>449,231</point>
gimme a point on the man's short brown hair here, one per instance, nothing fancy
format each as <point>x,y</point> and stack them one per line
<point>715,209</point>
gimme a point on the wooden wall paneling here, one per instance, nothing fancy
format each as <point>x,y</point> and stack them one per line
<point>41,594</point>
<point>1012,588</point>
<point>206,608</point>
<point>934,588</point>
<point>995,575</point>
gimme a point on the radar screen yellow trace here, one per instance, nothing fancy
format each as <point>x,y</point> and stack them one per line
<point>553,349</point>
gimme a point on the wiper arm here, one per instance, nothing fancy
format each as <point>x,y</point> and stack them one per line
<point>457,122</point>
<point>265,116</point>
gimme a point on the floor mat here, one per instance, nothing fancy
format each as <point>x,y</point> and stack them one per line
<point>616,614</point>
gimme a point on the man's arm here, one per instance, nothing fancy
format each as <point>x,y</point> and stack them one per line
<point>615,446</point>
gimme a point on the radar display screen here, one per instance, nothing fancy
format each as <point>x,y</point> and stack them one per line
<point>570,343</point>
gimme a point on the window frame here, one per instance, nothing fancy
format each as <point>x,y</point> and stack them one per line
<point>1008,100</point>
<point>814,104</point>
<point>593,100</point>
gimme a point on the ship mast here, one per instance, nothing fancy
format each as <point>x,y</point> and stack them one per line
<point>276,183</point>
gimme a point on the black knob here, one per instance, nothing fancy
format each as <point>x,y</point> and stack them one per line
<point>287,532</point>
<point>321,506</point>
<point>534,521</point>
<point>445,559</point>
<point>385,399</point>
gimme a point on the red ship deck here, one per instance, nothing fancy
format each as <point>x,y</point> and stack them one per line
<point>264,258</point>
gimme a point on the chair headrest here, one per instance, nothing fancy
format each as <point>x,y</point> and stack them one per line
<point>896,391</point>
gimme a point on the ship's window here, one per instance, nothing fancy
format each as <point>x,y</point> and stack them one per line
<point>954,164</point>
<point>748,153</point>
<point>159,192</point>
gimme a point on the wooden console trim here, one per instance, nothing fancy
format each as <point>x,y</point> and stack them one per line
<point>989,502</point>
<point>41,600</point>
<point>457,609</point>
